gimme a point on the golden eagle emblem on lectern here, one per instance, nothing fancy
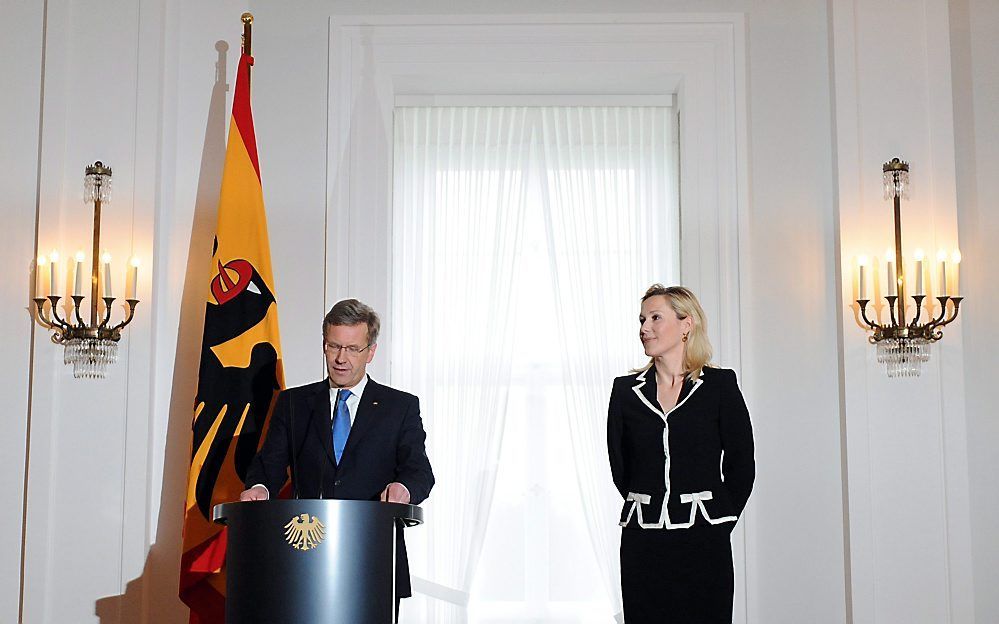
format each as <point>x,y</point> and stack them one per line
<point>304,532</point>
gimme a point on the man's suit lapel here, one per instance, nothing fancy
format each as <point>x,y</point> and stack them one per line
<point>321,419</point>
<point>367,414</point>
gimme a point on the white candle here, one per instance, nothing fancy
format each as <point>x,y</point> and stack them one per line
<point>135,278</point>
<point>919,271</point>
<point>78,282</point>
<point>53,280</point>
<point>956,282</point>
<point>891,279</point>
<point>942,257</point>
<point>106,258</point>
<point>862,290</point>
<point>40,276</point>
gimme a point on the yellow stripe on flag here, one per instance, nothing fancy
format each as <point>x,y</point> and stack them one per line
<point>240,372</point>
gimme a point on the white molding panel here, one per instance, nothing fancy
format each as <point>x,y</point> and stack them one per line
<point>376,61</point>
<point>909,556</point>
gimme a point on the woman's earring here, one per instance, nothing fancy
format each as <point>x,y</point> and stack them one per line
<point>685,337</point>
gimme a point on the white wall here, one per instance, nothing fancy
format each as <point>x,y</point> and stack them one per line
<point>790,379</point>
<point>107,460</point>
<point>21,38</point>
<point>976,91</point>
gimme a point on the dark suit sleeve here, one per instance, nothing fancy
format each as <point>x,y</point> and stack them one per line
<point>270,466</point>
<point>739,463</point>
<point>615,442</point>
<point>412,465</point>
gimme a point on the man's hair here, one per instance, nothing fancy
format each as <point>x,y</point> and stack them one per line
<point>353,312</point>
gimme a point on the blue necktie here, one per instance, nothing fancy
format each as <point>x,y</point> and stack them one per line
<point>341,424</point>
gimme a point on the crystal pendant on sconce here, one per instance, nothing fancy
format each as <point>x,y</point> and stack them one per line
<point>895,176</point>
<point>97,183</point>
<point>90,357</point>
<point>903,358</point>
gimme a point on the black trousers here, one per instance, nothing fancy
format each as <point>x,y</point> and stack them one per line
<point>678,576</point>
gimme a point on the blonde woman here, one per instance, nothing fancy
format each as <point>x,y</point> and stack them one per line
<point>680,444</point>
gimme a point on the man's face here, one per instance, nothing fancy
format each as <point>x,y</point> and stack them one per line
<point>347,353</point>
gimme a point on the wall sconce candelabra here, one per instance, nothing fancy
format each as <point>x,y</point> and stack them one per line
<point>89,347</point>
<point>903,345</point>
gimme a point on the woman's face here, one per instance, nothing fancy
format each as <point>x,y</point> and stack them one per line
<point>661,331</point>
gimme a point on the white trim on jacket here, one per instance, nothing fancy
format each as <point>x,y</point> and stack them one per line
<point>694,498</point>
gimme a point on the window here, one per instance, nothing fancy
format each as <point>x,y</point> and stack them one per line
<point>523,238</point>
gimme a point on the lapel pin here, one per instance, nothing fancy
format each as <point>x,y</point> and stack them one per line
<point>374,402</point>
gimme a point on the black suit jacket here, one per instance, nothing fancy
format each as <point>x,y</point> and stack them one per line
<point>692,466</point>
<point>386,444</point>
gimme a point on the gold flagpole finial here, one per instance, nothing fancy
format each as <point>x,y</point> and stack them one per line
<point>247,19</point>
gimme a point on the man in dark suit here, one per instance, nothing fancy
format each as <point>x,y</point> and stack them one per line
<point>347,436</point>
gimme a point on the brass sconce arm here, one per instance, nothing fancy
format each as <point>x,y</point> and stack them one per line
<point>41,315</point>
<point>863,314</point>
<point>891,308</point>
<point>914,323</point>
<point>943,313</point>
<point>128,317</point>
<point>77,300</point>
<point>58,320</point>
<point>108,301</point>
<point>943,320</point>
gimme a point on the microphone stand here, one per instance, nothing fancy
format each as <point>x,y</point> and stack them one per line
<point>294,443</point>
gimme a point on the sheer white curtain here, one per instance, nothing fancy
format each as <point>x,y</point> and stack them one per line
<point>603,180</point>
<point>459,193</point>
<point>612,213</point>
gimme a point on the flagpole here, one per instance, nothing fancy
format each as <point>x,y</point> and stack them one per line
<point>247,19</point>
<point>241,235</point>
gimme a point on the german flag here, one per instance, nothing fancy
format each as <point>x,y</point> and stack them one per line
<point>241,369</point>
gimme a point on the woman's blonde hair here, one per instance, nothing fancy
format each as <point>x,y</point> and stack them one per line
<point>697,347</point>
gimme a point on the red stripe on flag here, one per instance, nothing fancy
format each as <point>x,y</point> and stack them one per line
<point>196,565</point>
<point>206,557</point>
<point>241,112</point>
<point>207,605</point>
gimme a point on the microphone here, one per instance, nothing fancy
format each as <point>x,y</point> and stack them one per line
<point>294,443</point>
<point>322,477</point>
<point>322,460</point>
